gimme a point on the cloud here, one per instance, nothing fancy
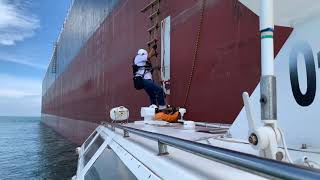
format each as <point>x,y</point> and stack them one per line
<point>19,96</point>
<point>21,60</point>
<point>16,23</point>
<point>13,93</point>
<point>25,106</point>
<point>19,84</point>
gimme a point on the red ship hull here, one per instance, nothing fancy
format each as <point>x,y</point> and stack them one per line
<point>100,78</point>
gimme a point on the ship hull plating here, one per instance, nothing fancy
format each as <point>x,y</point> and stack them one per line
<point>99,77</point>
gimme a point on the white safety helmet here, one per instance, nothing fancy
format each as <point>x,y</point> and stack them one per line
<point>142,52</point>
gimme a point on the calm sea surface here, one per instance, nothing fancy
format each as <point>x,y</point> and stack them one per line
<point>30,150</point>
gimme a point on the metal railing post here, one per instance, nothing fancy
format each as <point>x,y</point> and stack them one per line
<point>163,149</point>
<point>113,128</point>
<point>126,134</point>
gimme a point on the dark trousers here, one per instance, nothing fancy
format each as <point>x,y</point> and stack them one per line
<point>154,92</point>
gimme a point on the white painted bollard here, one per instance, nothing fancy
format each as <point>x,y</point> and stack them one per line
<point>148,113</point>
<point>182,111</point>
<point>189,125</point>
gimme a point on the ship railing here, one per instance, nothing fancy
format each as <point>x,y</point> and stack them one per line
<point>263,167</point>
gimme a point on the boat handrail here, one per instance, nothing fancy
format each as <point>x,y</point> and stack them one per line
<point>247,162</point>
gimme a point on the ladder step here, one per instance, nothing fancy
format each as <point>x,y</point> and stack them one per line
<point>155,55</point>
<point>154,41</point>
<point>150,5</point>
<point>54,70</point>
<point>156,26</point>
<point>157,13</point>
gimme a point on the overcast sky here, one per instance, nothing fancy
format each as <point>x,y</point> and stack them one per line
<point>28,29</point>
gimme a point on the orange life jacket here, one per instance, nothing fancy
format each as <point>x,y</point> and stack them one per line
<point>171,118</point>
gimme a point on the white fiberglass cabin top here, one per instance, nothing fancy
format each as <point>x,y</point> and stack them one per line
<point>152,150</point>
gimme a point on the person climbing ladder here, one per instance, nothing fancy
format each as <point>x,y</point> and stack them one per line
<point>142,72</point>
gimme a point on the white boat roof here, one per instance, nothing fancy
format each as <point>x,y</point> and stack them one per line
<point>141,154</point>
<point>288,12</point>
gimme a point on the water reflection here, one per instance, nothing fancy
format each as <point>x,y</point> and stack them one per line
<point>30,150</point>
<point>58,158</point>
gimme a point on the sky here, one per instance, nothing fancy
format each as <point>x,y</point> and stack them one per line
<point>28,30</point>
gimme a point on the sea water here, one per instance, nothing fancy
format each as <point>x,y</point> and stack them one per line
<point>31,150</point>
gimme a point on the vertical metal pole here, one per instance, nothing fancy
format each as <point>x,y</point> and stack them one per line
<point>268,80</point>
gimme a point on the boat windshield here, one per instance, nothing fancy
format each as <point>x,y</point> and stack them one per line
<point>108,166</point>
<point>89,139</point>
<point>93,149</point>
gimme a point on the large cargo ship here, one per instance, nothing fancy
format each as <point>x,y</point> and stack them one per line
<point>209,53</point>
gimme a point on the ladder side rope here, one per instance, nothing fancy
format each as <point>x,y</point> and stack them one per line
<point>196,52</point>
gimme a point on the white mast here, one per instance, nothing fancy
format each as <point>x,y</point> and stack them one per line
<point>265,139</point>
<point>268,79</point>
<point>266,29</point>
